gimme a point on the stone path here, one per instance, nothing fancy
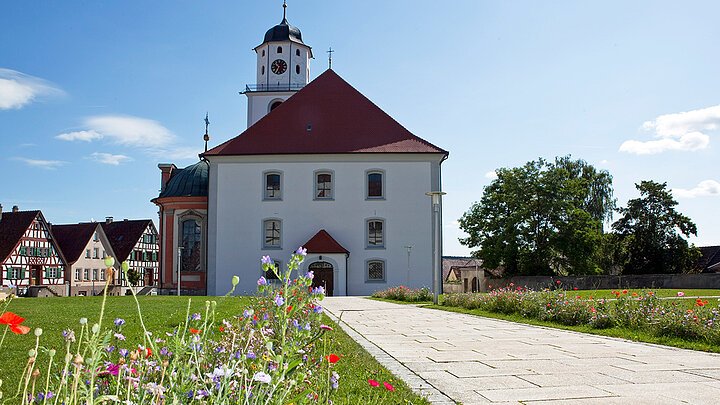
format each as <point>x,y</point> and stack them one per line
<point>457,358</point>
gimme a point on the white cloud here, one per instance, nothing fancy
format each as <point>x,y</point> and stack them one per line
<point>86,136</point>
<point>122,130</point>
<point>491,175</point>
<point>43,164</point>
<point>705,188</point>
<point>179,153</point>
<point>18,89</point>
<point>109,158</point>
<point>683,131</point>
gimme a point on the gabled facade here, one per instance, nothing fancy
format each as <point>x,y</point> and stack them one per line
<point>29,254</point>
<point>85,247</point>
<point>135,241</point>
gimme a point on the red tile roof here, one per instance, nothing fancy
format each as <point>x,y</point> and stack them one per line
<point>326,116</point>
<point>12,227</point>
<point>73,238</point>
<point>124,235</point>
<point>322,242</point>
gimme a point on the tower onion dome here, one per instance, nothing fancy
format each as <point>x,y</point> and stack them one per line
<point>191,181</point>
<point>284,32</point>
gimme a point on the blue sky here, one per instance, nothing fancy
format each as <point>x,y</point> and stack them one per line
<point>93,95</point>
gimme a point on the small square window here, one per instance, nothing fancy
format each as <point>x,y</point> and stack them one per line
<point>376,270</point>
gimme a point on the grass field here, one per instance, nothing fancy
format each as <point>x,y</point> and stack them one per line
<point>163,313</point>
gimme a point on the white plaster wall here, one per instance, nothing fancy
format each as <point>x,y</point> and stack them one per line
<point>237,210</point>
<point>85,263</point>
<point>289,56</point>
<point>259,103</point>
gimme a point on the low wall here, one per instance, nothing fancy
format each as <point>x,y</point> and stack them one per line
<point>652,281</point>
<point>449,288</point>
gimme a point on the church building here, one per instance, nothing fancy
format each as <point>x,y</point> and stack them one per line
<point>319,166</point>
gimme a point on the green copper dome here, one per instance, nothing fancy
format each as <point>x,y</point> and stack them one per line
<point>191,181</point>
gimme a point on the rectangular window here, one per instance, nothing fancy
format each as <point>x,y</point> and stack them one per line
<point>87,254</point>
<point>272,233</point>
<point>102,275</point>
<point>86,275</point>
<point>375,234</point>
<point>154,256</point>
<point>14,273</point>
<point>77,274</point>
<point>23,251</point>
<point>323,186</point>
<point>375,185</point>
<point>272,186</point>
<point>376,270</point>
<point>95,274</point>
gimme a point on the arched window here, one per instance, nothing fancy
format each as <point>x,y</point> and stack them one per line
<point>263,52</point>
<point>375,233</point>
<point>273,186</point>
<point>191,245</point>
<point>323,185</point>
<point>279,50</point>
<point>262,70</point>
<point>297,69</point>
<point>272,231</point>
<point>275,105</point>
<point>375,185</point>
<point>297,52</point>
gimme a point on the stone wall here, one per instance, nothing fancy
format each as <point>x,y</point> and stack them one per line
<point>652,281</point>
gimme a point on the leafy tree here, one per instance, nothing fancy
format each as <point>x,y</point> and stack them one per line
<point>651,230</point>
<point>133,277</point>
<point>541,218</point>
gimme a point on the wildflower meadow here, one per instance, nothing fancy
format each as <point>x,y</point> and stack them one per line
<point>276,348</point>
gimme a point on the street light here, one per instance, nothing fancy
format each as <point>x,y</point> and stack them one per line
<point>180,249</point>
<point>408,248</point>
<point>436,197</point>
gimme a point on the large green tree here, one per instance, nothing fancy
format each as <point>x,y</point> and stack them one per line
<point>541,218</point>
<point>651,231</point>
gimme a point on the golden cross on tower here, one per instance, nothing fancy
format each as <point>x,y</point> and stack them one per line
<point>206,137</point>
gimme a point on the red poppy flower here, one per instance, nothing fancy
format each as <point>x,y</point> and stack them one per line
<point>221,329</point>
<point>625,291</point>
<point>14,321</point>
<point>373,383</point>
<point>289,308</point>
<point>19,329</point>
<point>195,331</point>
<point>148,352</point>
<point>332,358</point>
<point>388,386</point>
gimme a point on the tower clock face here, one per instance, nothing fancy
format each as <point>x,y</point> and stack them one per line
<point>278,66</point>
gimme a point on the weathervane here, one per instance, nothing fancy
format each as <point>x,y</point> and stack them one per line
<point>330,52</point>
<point>206,137</point>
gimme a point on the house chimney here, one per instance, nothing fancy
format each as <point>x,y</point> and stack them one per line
<point>15,208</point>
<point>166,170</point>
<point>108,220</point>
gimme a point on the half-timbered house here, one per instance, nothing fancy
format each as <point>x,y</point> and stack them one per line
<point>29,254</point>
<point>135,241</point>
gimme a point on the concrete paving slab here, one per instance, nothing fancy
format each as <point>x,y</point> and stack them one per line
<point>453,358</point>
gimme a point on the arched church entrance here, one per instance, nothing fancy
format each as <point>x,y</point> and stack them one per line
<point>323,272</point>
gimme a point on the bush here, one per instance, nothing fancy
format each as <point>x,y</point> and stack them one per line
<point>403,293</point>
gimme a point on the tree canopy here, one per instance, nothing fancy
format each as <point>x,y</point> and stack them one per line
<point>651,228</point>
<point>542,218</point>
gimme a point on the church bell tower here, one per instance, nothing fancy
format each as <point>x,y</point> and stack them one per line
<point>283,68</point>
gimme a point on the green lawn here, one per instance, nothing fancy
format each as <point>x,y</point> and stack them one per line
<point>163,313</point>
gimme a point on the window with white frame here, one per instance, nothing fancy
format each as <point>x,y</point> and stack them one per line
<point>95,274</point>
<point>323,185</point>
<point>13,273</point>
<point>87,253</point>
<point>273,186</point>
<point>375,233</point>
<point>376,270</point>
<point>102,275</point>
<point>86,274</point>
<point>375,184</point>
<point>96,253</point>
<point>272,231</point>
<point>78,272</point>
<point>96,237</point>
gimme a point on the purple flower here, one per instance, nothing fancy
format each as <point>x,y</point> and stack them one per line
<point>250,355</point>
<point>262,281</point>
<point>318,309</point>
<point>279,300</point>
<point>310,275</point>
<point>266,260</point>
<point>262,377</point>
<point>301,251</point>
<point>248,313</point>
<point>318,290</point>
<point>119,322</point>
<point>195,317</point>
<point>334,380</point>
<point>119,336</point>
<point>296,323</point>
<point>123,352</point>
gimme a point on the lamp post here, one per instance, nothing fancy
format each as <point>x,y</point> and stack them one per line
<point>436,197</point>
<point>180,249</point>
<point>407,281</point>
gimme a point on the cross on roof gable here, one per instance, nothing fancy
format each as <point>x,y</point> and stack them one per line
<point>326,116</point>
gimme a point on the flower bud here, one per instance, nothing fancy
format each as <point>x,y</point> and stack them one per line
<point>31,353</point>
<point>235,280</point>
<point>36,373</point>
<point>125,266</point>
<point>95,328</point>
<point>109,261</point>
<point>78,359</point>
<point>51,353</point>
<point>83,321</point>
<point>38,332</point>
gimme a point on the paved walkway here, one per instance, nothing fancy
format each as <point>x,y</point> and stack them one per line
<point>462,358</point>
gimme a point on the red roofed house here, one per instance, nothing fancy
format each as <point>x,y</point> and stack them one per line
<point>319,165</point>
<point>135,242</point>
<point>29,254</point>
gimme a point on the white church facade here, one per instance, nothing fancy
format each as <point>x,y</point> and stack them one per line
<point>319,166</point>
